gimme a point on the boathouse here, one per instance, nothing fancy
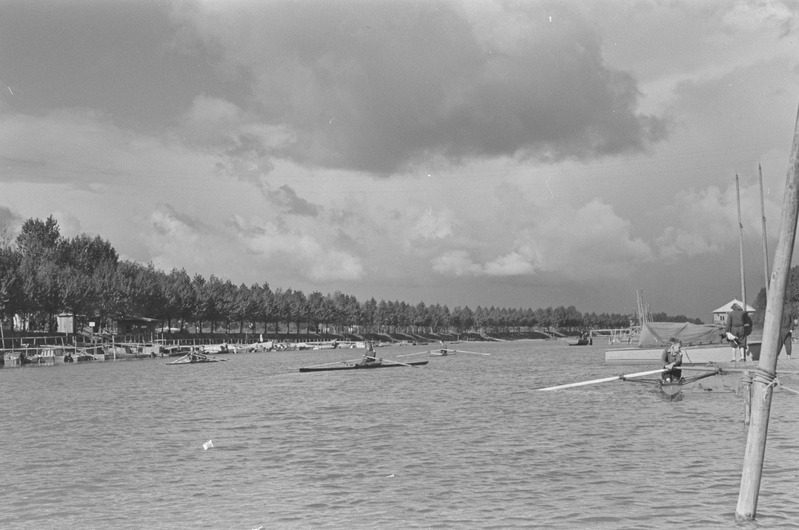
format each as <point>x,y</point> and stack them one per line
<point>720,314</point>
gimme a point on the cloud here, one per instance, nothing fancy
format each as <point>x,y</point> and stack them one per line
<point>289,249</point>
<point>287,200</point>
<point>753,16</point>
<point>10,223</point>
<point>512,264</point>
<point>387,85</point>
<point>68,223</point>
<point>434,224</point>
<point>455,263</point>
<point>586,243</point>
<point>706,221</point>
<point>170,224</point>
<point>240,143</point>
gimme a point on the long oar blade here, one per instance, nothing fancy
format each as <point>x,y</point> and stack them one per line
<point>472,352</point>
<point>417,353</point>
<point>604,380</point>
<point>337,362</point>
<point>397,362</point>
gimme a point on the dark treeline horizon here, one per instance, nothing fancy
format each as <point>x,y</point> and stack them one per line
<point>43,274</point>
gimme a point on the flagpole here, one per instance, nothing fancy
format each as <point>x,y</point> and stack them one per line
<point>741,243</point>
<point>765,241</point>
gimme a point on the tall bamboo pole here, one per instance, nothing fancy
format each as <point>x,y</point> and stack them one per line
<point>763,218</point>
<point>767,368</point>
<point>741,243</point>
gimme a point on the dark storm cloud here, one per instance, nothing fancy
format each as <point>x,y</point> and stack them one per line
<point>287,199</point>
<point>377,86</point>
<point>125,59</point>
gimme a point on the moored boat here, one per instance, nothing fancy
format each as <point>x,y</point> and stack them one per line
<point>702,343</point>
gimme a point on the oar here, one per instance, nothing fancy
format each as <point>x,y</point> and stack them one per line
<point>395,362</point>
<point>410,354</point>
<point>605,380</point>
<point>724,369</point>
<point>337,362</point>
<point>472,352</point>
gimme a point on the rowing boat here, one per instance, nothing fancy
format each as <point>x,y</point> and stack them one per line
<point>672,388</point>
<point>195,358</point>
<point>349,366</point>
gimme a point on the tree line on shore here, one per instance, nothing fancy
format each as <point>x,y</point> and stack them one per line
<point>43,274</point>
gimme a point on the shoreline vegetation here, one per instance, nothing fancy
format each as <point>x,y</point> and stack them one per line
<point>21,350</point>
<point>22,339</point>
<point>44,275</point>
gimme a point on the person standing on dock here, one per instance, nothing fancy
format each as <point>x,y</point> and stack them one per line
<point>786,332</point>
<point>671,358</point>
<point>738,327</point>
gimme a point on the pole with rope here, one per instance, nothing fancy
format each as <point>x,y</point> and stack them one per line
<point>764,376</point>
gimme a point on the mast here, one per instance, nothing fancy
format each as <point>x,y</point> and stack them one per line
<point>741,243</point>
<point>763,218</point>
<point>762,387</point>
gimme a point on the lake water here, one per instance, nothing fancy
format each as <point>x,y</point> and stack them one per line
<point>464,442</point>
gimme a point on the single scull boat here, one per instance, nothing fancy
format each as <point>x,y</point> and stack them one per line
<point>348,366</point>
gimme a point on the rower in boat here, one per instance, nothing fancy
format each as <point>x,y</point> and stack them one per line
<point>369,357</point>
<point>671,358</point>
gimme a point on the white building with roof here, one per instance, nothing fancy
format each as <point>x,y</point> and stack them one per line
<point>720,314</point>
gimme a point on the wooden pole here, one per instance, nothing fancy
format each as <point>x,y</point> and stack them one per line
<point>741,243</point>
<point>767,367</point>
<point>746,389</point>
<point>763,218</point>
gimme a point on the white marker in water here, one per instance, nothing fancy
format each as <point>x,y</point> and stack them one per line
<point>207,445</point>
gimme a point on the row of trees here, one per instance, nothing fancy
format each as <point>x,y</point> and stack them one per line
<point>791,302</point>
<point>43,274</point>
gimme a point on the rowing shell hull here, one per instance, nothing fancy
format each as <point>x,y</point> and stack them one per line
<point>360,367</point>
<point>183,360</point>
<point>671,388</point>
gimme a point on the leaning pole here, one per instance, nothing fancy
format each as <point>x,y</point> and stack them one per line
<point>766,372</point>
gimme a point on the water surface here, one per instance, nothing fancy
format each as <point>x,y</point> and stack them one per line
<point>464,442</point>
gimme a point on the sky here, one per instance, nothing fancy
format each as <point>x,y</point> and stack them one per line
<point>524,154</point>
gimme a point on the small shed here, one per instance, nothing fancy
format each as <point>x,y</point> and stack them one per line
<point>720,314</point>
<point>135,325</point>
<point>66,323</point>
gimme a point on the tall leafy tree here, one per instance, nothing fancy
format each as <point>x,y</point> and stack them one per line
<point>39,239</point>
<point>316,310</point>
<point>76,290</point>
<point>85,253</point>
<point>11,295</point>
<point>265,305</point>
<point>180,298</point>
<point>298,308</point>
<point>110,293</point>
